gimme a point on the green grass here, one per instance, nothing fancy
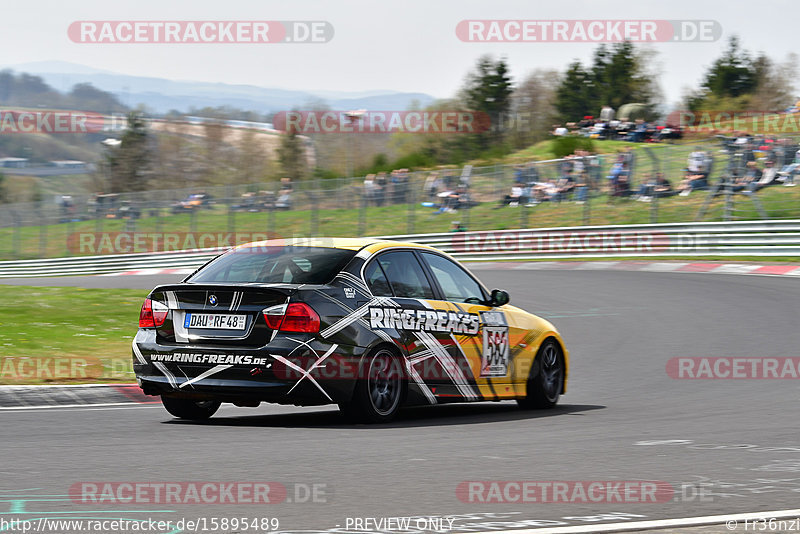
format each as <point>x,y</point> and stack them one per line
<point>67,334</point>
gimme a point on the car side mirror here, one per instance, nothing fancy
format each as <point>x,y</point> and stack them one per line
<point>499,298</point>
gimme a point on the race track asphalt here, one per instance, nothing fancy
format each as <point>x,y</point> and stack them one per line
<point>726,446</point>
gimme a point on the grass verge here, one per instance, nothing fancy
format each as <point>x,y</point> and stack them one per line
<point>67,334</point>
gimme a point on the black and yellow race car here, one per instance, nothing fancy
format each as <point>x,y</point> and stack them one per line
<point>367,324</point>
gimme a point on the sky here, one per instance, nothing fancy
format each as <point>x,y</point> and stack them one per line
<point>408,45</point>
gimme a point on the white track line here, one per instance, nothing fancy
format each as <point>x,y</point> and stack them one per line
<point>18,408</point>
<point>659,523</point>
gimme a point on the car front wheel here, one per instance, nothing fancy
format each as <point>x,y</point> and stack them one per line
<point>546,378</point>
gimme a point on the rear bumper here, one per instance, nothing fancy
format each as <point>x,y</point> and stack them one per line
<point>295,369</point>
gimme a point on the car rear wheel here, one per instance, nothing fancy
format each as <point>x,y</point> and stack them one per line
<point>379,392</point>
<point>190,409</point>
<point>546,379</point>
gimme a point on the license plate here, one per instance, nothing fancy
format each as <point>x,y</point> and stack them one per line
<point>216,321</point>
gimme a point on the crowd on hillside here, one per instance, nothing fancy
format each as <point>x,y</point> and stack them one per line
<point>754,163</point>
<point>628,127</point>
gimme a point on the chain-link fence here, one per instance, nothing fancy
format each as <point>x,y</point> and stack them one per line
<point>720,179</point>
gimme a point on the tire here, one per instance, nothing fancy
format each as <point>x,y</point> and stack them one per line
<point>190,409</point>
<point>546,379</point>
<point>378,395</point>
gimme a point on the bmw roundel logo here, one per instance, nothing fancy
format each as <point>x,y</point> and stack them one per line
<point>212,300</point>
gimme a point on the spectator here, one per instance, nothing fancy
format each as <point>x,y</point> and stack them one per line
<point>749,180</point>
<point>560,131</point>
<point>692,182</point>
<point>696,162</point>
<point>786,174</point>
<point>369,189</point>
<point>456,226</point>
<point>513,198</point>
<point>663,187</point>
<point>646,189</point>
<point>380,188</point>
<point>284,201</point>
<point>431,186</point>
<point>618,179</point>
<point>768,175</point>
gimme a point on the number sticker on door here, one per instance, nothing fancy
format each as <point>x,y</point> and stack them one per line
<point>495,344</point>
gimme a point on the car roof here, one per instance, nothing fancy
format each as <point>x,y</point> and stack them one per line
<point>370,244</point>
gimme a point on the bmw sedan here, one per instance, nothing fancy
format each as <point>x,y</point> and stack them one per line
<point>367,324</point>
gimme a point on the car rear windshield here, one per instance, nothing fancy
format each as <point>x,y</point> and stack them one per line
<point>275,265</point>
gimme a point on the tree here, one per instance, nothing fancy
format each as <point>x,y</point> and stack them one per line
<point>533,108</point>
<point>732,75</point>
<point>292,156</point>
<point>775,90</point>
<point>619,75</point>
<point>128,164</point>
<point>488,90</point>
<point>575,95</point>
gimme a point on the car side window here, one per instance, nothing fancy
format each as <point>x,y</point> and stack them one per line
<point>376,280</point>
<point>405,275</point>
<point>456,283</point>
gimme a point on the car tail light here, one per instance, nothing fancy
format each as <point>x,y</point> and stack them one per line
<point>294,317</point>
<point>146,315</point>
<point>152,314</point>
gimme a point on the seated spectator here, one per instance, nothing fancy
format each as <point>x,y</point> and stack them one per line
<point>514,198</point>
<point>768,175</point>
<point>564,187</point>
<point>786,174</point>
<point>663,187</point>
<point>749,180</point>
<point>692,182</point>
<point>284,201</point>
<point>646,189</point>
<point>544,191</point>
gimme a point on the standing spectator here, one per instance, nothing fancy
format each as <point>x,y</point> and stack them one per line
<point>380,188</point>
<point>369,189</point>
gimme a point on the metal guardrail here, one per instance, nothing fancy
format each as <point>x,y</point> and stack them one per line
<point>744,238</point>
